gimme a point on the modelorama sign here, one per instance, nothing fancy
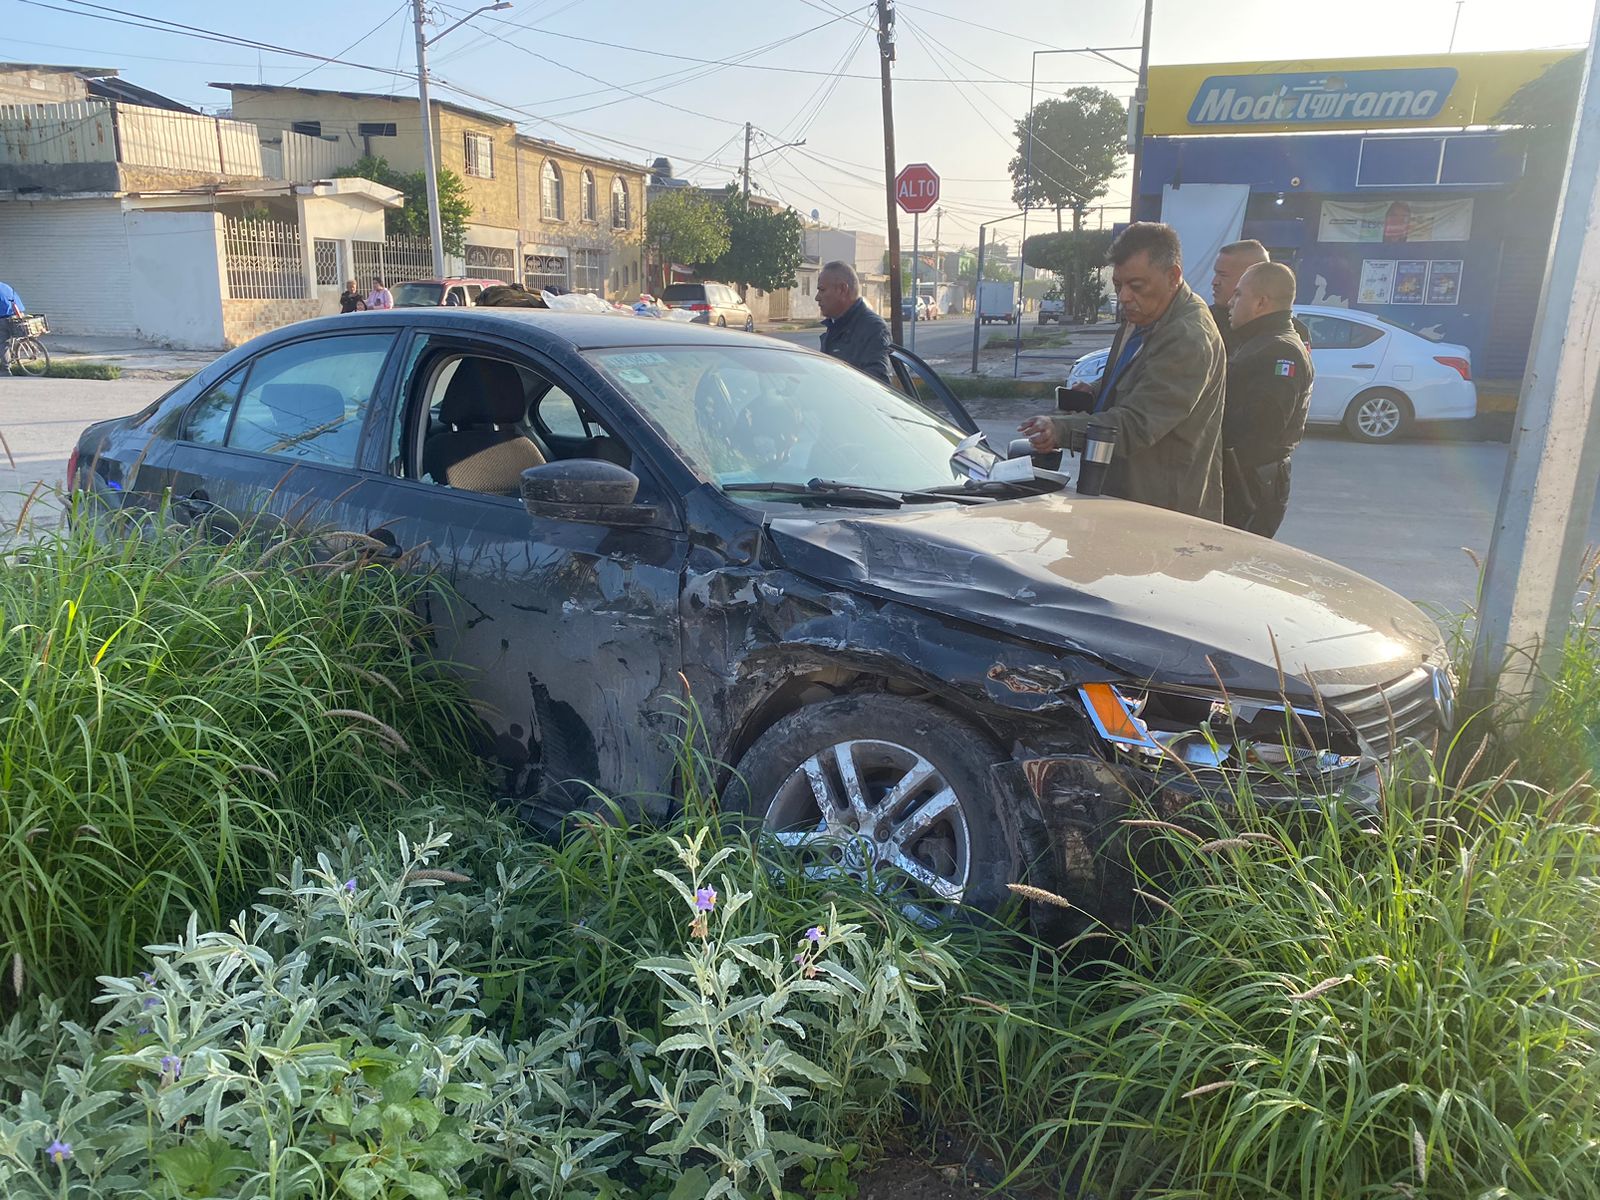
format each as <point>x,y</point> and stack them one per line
<point>1353,93</point>
<point>1315,98</point>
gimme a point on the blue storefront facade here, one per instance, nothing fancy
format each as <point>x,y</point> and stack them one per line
<point>1434,229</point>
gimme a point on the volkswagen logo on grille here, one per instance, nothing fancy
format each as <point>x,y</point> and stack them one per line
<point>1444,696</point>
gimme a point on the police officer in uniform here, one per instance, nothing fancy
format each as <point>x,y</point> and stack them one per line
<point>1268,397</point>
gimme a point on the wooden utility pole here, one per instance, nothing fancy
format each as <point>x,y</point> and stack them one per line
<point>747,132</point>
<point>885,61</point>
<point>1141,94</point>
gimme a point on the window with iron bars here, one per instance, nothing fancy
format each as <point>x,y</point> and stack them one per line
<point>479,152</point>
<point>588,270</point>
<point>330,262</point>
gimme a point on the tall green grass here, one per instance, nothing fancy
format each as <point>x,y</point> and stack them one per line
<point>1317,1009</point>
<point>178,718</point>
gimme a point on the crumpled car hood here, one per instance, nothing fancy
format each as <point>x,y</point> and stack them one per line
<point>1159,596</point>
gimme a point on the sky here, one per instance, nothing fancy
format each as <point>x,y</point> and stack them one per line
<point>627,78</point>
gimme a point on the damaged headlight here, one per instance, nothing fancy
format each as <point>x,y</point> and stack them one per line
<point>1221,733</point>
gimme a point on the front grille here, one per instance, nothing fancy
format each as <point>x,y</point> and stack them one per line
<point>1386,717</point>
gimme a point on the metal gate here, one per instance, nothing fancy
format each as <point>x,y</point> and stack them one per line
<point>492,262</point>
<point>394,261</point>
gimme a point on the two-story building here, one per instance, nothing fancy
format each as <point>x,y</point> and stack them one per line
<point>542,213</point>
<point>582,219</point>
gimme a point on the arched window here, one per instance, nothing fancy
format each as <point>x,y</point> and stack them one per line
<point>590,200</point>
<point>619,203</point>
<point>550,191</point>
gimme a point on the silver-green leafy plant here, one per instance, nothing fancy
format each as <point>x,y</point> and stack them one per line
<point>331,1046</point>
<point>775,1045</point>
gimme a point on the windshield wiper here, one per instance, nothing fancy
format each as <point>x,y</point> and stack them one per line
<point>825,491</point>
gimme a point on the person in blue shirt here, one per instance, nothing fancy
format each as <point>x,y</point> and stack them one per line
<point>10,302</point>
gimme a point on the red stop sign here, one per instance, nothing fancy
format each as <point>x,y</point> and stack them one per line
<point>916,188</point>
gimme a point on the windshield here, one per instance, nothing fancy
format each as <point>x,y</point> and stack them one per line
<point>417,295</point>
<point>753,414</point>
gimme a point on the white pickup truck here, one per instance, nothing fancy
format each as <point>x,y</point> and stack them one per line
<point>1052,308</point>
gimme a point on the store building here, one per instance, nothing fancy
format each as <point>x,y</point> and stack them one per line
<point>1385,183</point>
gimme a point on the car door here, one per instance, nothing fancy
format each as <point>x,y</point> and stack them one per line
<point>922,383</point>
<point>280,440</point>
<point>1346,356</point>
<point>567,630</point>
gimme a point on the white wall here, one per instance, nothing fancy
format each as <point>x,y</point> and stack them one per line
<point>175,269</point>
<point>345,217</point>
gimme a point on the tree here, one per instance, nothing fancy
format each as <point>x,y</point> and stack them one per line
<point>412,220</point>
<point>1077,259</point>
<point>683,226</point>
<point>764,246</point>
<point>1543,109</point>
<point>1078,147</point>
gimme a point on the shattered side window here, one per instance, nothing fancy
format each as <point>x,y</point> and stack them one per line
<point>747,414</point>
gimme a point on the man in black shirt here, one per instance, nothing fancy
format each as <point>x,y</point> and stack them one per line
<point>853,331</point>
<point>1269,395</point>
<point>1233,260</point>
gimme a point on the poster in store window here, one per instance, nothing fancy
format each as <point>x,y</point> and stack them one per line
<point>1377,281</point>
<point>1410,281</point>
<point>1444,281</point>
<point>1395,221</point>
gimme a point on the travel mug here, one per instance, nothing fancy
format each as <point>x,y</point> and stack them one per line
<point>1099,444</point>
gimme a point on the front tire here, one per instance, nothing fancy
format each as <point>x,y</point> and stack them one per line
<point>1379,416</point>
<point>894,792</point>
<point>29,357</point>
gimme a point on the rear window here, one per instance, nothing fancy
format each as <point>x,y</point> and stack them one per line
<point>417,295</point>
<point>684,291</point>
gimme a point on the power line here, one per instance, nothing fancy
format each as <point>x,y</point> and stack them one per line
<point>1031,41</point>
<point>194,31</point>
<point>818,100</point>
<point>717,62</point>
<point>351,46</point>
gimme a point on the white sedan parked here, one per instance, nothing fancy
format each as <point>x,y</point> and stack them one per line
<point>1374,378</point>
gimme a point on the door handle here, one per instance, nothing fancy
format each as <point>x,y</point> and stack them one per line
<point>197,503</point>
<point>1365,366</point>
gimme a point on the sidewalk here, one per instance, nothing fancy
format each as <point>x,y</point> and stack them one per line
<point>138,360</point>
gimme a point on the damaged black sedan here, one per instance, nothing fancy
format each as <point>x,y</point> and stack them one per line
<point>916,670</point>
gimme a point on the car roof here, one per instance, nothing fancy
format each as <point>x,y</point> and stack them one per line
<point>449,279</point>
<point>539,326</point>
<point>1349,314</point>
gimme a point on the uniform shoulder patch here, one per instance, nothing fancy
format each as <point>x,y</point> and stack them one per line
<point>1285,367</point>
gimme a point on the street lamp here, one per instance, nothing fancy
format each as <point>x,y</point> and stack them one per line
<point>431,178</point>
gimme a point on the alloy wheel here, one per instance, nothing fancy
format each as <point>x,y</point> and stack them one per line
<point>882,814</point>
<point>1379,417</point>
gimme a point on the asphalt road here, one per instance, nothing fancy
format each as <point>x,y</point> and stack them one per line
<point>1406,515</point>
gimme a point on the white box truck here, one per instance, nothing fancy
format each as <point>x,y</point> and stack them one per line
<point>997,302</point>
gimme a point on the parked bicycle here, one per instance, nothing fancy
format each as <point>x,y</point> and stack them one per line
<point>24,353</point>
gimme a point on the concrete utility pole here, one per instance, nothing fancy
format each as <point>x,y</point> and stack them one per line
<point>938,263</point>
<point>885,60</point>
<point>747,134</point>
<point>1543,520</point>
<point>429,173</point>
<point>1141,94</point>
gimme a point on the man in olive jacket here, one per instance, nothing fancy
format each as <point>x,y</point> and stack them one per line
<point>1162,390</point>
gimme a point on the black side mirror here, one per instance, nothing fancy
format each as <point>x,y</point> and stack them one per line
<point>585,489</point>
